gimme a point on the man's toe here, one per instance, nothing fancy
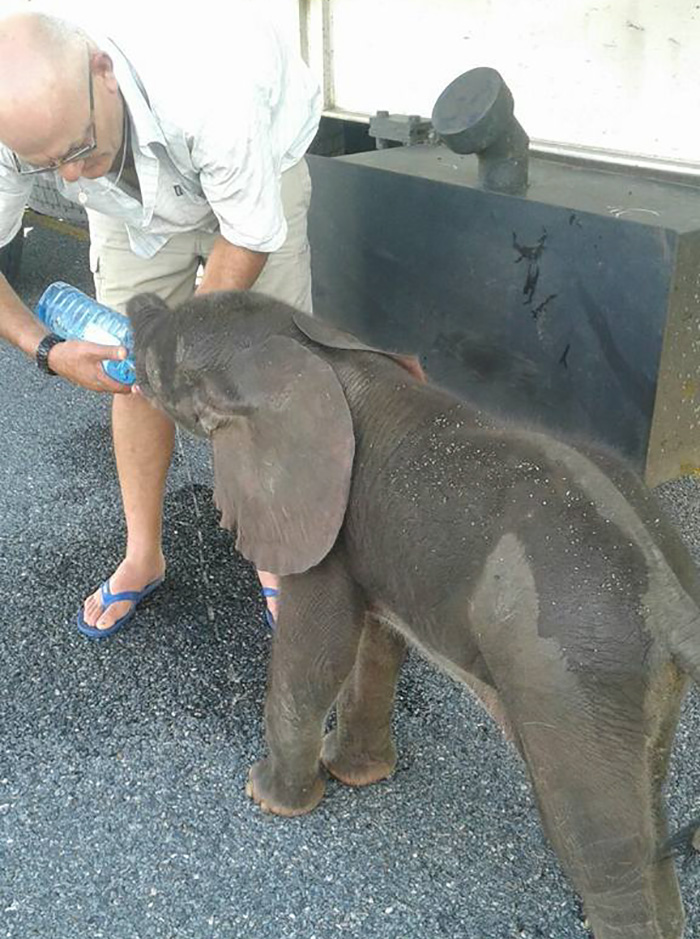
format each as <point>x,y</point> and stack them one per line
<point>110,616</point>
<point>92,608</point>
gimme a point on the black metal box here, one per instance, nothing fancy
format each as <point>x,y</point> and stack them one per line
<point>575,307</point>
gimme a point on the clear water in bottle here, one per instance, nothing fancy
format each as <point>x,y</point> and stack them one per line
<point>70,313</point>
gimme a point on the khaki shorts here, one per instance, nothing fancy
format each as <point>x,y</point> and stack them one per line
<point>171,274</point>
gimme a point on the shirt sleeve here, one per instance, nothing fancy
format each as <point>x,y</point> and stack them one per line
<point>241,177</point>
<point>14,193</point>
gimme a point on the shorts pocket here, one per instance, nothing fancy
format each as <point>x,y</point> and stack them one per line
<point>94,259</point>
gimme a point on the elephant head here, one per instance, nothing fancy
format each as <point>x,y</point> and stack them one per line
<point>246,371</point>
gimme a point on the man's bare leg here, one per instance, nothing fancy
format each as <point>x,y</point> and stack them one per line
<point>143,443</point>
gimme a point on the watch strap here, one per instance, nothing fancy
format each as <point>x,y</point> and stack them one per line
<point>42,352</point>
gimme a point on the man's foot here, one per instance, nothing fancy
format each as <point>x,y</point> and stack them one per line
<point>270,594</point>
<point>128,576</point>
<point>271,585</point>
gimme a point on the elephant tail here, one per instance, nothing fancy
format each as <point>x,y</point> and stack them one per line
<point>685,640</point>
<point>685,843</point>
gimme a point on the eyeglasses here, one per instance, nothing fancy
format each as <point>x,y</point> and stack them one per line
<point>77,153</point>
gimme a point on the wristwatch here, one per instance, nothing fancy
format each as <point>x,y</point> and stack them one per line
<point>42,352</point>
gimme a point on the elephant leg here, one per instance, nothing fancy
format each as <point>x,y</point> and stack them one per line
<point>594,701</point>
<point>360,750</point>
<point>597,758</point>
<point>319,625</point>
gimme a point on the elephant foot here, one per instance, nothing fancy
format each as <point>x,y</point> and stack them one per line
<point>357,769</point>
<point>272,792</point>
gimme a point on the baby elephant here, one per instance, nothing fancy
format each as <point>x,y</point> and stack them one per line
<point>542,576</point>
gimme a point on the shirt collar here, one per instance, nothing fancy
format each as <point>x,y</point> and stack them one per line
<point>144,123</point>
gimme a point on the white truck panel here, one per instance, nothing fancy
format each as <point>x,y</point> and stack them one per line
<point>619,76</point>
<point>615,76</point>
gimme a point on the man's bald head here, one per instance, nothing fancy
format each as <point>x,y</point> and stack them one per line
<point>43,79</point>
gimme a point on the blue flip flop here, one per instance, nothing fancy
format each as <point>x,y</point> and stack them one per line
<point>108,598</point>
<point>270,592</point>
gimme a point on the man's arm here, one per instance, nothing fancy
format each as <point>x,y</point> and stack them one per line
<point>230,267</point>
<point>17,325</point>
<point>79,362</point>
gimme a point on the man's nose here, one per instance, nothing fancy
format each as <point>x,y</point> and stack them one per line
<point>71,172</point>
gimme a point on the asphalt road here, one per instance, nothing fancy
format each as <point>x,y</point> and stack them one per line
<point>122,804</point>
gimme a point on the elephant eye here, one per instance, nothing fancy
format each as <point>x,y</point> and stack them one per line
<point>185,384</point>
<point>156,382</point>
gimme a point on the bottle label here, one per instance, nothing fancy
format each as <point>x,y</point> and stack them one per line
<point>95,333</point>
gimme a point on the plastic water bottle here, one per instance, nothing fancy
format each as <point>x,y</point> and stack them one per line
<point>70,313</point>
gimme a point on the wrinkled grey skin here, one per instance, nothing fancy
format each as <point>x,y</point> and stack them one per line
<point>542,576</point>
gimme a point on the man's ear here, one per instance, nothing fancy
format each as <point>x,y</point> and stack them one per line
<point>102,66</point>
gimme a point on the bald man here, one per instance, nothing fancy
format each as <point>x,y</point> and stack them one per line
<point>182,153</point>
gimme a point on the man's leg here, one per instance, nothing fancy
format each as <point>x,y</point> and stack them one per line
<point>143,435</point>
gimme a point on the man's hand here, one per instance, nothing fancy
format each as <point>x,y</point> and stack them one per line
<point>81,363</point>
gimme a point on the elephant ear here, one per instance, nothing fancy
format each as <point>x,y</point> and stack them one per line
<point>333,338</point>
<point>283,448</point>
